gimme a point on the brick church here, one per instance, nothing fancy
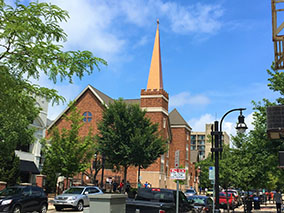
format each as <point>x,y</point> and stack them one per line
<point>154,99</point>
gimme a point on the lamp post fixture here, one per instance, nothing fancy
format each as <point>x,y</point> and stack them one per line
<point>217,148</point>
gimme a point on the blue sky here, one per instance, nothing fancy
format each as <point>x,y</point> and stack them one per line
<point>214,53</point>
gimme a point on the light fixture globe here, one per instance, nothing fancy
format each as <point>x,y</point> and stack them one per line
<point>241,126</point>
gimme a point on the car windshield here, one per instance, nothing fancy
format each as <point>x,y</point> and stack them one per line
<point>11,191</point>
<point>198,200</point>
<point>74,191</point>
<point>223,194</point>
<point>189,191</point>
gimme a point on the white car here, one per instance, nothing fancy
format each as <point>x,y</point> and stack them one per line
<point>75,197</point>
<point>190,192</point>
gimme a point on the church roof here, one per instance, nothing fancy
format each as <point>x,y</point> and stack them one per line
<point>155,79</point>
<point>102,97</point>
<point>106,99</point>
<point>177,120</point>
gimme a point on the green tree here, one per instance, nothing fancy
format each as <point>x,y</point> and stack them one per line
<point>31,44</point>
<point>258,155</point>
<point>67,153</point>
<point>127,138</point>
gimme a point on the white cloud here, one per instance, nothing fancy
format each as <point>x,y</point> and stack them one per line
<point>100,25</point>
<point>185,98</point>
<point>198,124</point>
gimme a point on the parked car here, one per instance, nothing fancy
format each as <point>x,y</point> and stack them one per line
<point>190,192</point>
<point>75,197</point>
<point>158,200</point>
<point>233,203</point>
<point>237,195</point>
<point>19,199</point>
<point>202,203</point>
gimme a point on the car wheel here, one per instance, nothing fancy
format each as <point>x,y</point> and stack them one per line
<point>17,209</point>
<point>80,206</point>
<point>43,208</point>
<point>58,208</point>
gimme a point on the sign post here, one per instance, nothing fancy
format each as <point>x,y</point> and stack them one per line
<point>212,178</point>
<point>177,165</point>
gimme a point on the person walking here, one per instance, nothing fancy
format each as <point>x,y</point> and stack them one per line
<point>278,200</point>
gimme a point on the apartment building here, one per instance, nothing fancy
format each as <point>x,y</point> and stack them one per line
<point>201,141</point>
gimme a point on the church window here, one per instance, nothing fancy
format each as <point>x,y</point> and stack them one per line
<point>164,123</point>
<point>87,116</point>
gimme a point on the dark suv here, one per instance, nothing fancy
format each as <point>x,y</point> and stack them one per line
<point>19,199</point>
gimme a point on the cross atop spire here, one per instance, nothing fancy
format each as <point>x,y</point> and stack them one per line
<point>155,79</point>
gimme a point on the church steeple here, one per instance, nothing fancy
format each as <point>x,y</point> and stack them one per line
<point>155,79</point>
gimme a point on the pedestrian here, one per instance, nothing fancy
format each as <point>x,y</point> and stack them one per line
<point>121,186</point>
<point>269,196</point>
<point>278,200</point>
<point>114,186</point>
<point>146,185</point>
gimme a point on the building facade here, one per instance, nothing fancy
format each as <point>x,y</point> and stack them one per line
<point>172,127</point>
<point>30,155</point>
<point>201,141</point>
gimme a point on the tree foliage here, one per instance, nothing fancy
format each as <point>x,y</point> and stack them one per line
<point>128,138</point>
<point>67,153</point>
<point>256,154</point>
<point>31,45</point>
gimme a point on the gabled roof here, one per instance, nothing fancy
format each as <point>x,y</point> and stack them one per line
<point>103,98</point>
<point>106,99</point>
<point>177,120</point>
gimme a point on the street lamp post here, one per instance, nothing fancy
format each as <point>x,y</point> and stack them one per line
<point>217,146</point>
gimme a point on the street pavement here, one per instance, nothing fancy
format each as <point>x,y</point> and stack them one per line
<point>268,208</point>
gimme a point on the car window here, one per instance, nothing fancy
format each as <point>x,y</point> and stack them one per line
<point>36,191</point>
<point>199,200</point>
<point>27,191</point>
<point>74,191</point>
<point>11,191</point>
<point>93,190</point>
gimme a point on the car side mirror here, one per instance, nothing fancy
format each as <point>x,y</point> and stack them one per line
<point>86,193</point>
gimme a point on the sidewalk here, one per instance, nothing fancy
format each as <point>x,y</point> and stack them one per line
<point>268,208</point>
<point>50,203</point>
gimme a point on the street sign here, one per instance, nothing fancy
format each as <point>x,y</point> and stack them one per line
<point>211,173</point>
<point>177,158</point>
<point>178,174</point>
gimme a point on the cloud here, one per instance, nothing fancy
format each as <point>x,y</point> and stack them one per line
<point>100,26</point>
<point>185,98</point>
<point>196,18</point>
<point>198,124</point>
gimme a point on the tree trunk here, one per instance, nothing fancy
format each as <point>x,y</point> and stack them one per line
<point>138,176</point>
<point>124,180</point>
<point>227,199</point>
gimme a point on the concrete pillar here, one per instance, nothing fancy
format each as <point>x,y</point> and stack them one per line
<point>40,180</point>
<point>107,203</point>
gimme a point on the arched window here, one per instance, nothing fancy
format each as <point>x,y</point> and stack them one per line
<point>87,117</point>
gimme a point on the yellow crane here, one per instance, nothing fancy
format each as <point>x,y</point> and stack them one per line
<point>278,36</point>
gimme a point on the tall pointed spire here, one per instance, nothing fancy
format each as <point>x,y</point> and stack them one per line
<point>155,79</point>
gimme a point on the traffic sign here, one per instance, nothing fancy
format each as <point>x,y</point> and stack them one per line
<point>211,173</point>
<point>178,174</point>
<point>177,158</point>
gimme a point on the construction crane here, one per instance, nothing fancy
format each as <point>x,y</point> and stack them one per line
<point>278,38</point>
